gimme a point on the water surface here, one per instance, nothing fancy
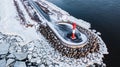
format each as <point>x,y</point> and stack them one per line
<point>104,16</point>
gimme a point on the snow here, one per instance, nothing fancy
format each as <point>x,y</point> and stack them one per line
<point>25,13</point>
<point>2,63</point>
<point>20,64</point>
<point>20,55</point>
<point>4,47</point>
<point>11,56</point>
<point>42,65</point>
<point>9,61</point>
<point>37,10</point>
<point>10,25</point>
<point>52,26</point>
<point>25,42</point>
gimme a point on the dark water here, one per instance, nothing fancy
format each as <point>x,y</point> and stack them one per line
<point>104,16</point>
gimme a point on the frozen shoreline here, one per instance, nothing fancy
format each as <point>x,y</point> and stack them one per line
<point>32,45</point>
<point>40,52</point>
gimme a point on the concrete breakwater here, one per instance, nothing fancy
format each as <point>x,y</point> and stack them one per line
<point>91,46</point>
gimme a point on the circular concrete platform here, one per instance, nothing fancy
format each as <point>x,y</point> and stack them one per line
<point>65,31</point>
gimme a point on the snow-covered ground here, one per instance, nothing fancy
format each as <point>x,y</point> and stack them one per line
<point>40,52</point>
<point>22,46</point>
<point>10,24</point>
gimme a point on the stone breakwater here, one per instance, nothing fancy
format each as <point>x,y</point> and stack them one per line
<point>91,46</point>
<point>37,53</point>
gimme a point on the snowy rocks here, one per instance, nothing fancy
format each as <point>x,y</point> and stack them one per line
<point>42,65</point>
<point>39,53</point>
<point>98,33</point>
<point>30,46</point>
<point>35,53</point>
<point>29,56</point>
<point>2,36</point>
<point>15,38</point>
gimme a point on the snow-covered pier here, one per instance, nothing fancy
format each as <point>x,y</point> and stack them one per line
<point>73,51</point>
<point>69,49</point>
<point>28,38</point>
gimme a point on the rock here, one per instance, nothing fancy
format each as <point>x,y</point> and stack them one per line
<point>9,61</point>
<point>38,61</point>
<point>30,46</point>
<point>93,30</point>
<point>16,38</point>
<point>28,64</point>
<point>35,54</point>
<point>33,60</point>
<point>18,49</point>
<point>98,33</point>
<point>29,56</point>
<point>20,55</point>
<point>4,46</point>
<point>91,66</point>
<point>42,65</point>
<point>51,65</point>
<point>48,62</point>
<point>3,63</point>
<point>20,64</point>
<point>24,48</point>
<point>58,66</point>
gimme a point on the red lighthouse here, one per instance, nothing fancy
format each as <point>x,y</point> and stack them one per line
<point>73,30</point>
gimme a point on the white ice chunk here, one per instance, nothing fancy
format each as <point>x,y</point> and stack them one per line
<point>11,56</point>
<point>9,61</point>
<point>2,63</point>
<point>4,46</point>
<point>20,55</point>
<point>42,65</point>
<point>20,64</point>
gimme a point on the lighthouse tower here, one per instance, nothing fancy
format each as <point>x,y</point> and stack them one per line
<point>73,30</point>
